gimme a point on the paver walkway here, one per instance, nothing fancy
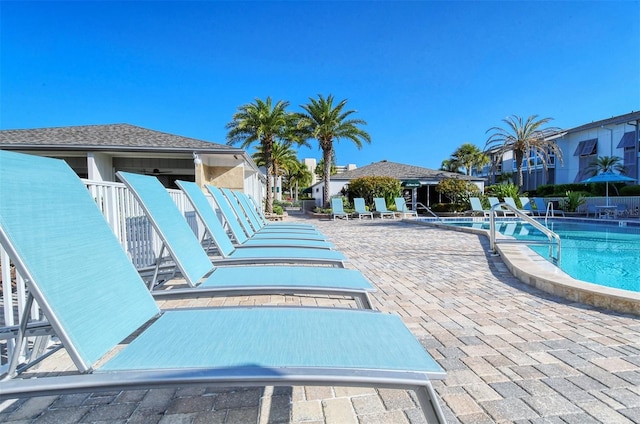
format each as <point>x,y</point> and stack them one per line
<point>512,353</point>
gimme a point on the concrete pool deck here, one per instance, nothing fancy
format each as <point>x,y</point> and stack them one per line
<point>532,269</point>
<point>512,352</point>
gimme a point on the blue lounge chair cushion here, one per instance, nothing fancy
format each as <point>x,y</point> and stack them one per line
<point>283,337</point>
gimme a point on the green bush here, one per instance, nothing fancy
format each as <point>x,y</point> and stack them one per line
<point>278,210</point>
<point>503,191</point>
<point>457,190</point>
<point>572,202</point>
<point>450,207</point>
<point>544,190</point>
<point>369,187</point>
<point>630,190</point>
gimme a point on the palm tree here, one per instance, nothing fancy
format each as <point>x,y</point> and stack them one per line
<point>469,156</point>
<point>526,139</point>
<point>450,165</point>
<point>606,164</point>
<point>326,123</point>
<point>297,175</point>
<point>264,123</point>
<point>332,169</point>
<point>282,156</point>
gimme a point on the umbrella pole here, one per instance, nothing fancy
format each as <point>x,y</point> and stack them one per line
<point>607,193</point>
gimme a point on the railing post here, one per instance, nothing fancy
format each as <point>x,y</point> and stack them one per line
<point>492,229</point>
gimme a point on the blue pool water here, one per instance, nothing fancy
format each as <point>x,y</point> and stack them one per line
<point>603,254</point>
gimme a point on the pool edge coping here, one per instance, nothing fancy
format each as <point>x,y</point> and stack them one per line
<point>532,269</point>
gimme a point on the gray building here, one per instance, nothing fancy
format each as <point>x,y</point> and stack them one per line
<point>419,183</point>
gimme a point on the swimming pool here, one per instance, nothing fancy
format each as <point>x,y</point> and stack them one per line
<point>604,254</point>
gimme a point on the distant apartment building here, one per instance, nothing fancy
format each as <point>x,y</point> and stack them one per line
<point>615,136</point>
<point>312,164</point>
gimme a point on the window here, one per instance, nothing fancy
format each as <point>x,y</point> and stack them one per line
<point>630,161</point>
<point>587,151</point>
<point>587,148</point>
<point>627,140</point>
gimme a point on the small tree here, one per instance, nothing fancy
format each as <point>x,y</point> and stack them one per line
<point>606,164</point>
<point>468,157</point>
<point>457,190</point>
<point>370,187</point>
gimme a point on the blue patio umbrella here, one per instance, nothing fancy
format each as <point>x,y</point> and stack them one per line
<point>608,177</point>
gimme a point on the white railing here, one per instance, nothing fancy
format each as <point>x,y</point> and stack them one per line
<point>632,203</point>
<point>132,229</point>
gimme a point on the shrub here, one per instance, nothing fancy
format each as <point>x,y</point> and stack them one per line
<point>457,190</point>
<point>369,187</point>
<point>503,191</point>
<point>449,207</point>
<point>560,190</point>
<point>544,190</point>
<point>630,190</point>
<point>277,210</point>
<point>572,202</point>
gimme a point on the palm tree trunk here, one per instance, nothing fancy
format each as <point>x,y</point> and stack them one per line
<point>270,183</point>
<point>327,153</point>
<point>519,157</point>
<point>275,180</point>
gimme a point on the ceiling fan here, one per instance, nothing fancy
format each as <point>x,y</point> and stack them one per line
<point>156,172</point>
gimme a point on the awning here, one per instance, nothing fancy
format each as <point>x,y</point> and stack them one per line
<point>627,140</point>
<point>586,148</point>
<point>411,184</point>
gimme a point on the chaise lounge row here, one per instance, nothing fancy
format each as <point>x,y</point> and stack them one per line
<point>337,208</point>
<point>119,339</point>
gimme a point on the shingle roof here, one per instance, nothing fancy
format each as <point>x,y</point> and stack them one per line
<point>399,171</point>
<point>103,137</point>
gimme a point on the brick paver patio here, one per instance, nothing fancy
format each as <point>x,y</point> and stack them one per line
<point>511,352</point>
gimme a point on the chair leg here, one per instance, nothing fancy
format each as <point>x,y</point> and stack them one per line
<point>429,404</point>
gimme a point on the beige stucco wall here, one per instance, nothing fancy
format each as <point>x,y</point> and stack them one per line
<point>220,176</point>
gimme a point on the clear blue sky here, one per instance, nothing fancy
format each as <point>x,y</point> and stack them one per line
<point>426,76</point>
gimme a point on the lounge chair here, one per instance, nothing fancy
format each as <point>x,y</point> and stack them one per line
<point>171,225</point>
<point>494,201</point>
<point>118,338</point>
<point>204,278</point>
<point>258,219</point>
<point>247,214</point>
<point>337,209</point>
<point>541,206</point>
<point>263,219</point>
<point>361,209</point>
<point>526,204</point>
<point>214,226</point>
<point>476,207</point>
<point>402,209</point>
<point>511,202</point>
<point>240,227</point>
<point>381,208</point>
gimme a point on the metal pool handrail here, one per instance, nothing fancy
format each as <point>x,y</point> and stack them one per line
<point>428,209</point>
<point>551,236</point>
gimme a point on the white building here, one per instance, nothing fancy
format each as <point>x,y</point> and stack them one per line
<point>615,136</point>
